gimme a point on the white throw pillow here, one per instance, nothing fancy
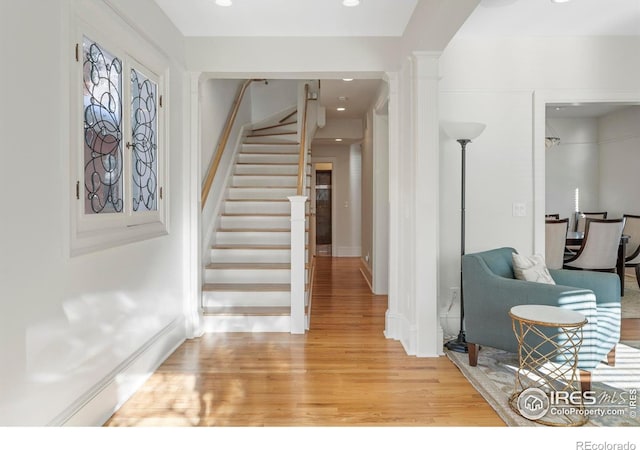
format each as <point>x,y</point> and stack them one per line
<point>531,268</point>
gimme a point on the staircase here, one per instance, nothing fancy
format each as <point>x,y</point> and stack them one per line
<point>247,283</point>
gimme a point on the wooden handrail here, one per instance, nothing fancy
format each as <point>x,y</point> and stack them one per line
<point>215,162</point>
<point>303,138</point>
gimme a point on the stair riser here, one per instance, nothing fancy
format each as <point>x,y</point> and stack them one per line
<point>283,138</point>
<point>261,193</point>
<point>258,181</point>
<point>246,324</point>
<point>253,237</point>
<point>250,256</point>
<point>257,207</point>
<point>270,148</point>
<point>255,222</point>
<point>259,158</point>
<point>278,276</point>
<point>287,128</point>
<point>266,169</point>
<point>243,299</point>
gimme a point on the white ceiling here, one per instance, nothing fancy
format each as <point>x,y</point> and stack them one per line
<point>321,18</point>
<point>289,17</point>
<point>359,96</point>
<point>545,18</point>
<point>390,17</point>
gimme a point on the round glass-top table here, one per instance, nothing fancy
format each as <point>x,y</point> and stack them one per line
<point>547,388</point>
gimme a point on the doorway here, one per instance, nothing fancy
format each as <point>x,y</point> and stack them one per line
<point>324,230</point>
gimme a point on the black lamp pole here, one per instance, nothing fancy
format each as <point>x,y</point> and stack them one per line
<point>459,344</point>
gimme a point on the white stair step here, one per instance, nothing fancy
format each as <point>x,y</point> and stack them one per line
<point>256,206</point>
<point>277,132</point>
<point>287,147</point>
<point>259,158</point>
<point>259,193</point>
<point>246,295</point>
<point>266,169</point>
<point>251,253</point>
<point>272,139</point>
<point>256,221</point>
<point>248,273</point>
<point>246,323</point>
<point>253,237</point>
<point>265,180</point>
<point>215,298</point>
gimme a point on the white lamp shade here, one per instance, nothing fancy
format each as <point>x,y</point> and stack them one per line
<point>463,130</point>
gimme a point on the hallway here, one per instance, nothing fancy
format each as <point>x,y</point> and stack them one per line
<point>343,372</point>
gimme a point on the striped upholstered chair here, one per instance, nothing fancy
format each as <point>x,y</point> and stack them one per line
<point>491,290</point>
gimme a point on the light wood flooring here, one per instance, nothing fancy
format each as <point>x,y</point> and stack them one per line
<point>343,372</point>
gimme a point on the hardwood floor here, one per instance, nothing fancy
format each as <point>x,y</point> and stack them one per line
<point>630,330</point>
<point>343,372</point>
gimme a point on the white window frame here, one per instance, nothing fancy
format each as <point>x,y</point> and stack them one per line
<point>92,232</point>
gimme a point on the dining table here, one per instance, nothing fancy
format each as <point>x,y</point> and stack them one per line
<point>575,238</point>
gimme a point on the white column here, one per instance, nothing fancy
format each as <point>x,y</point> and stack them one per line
<point>192,260</point>
<point>298,203</point>
<point>425,118</point>
<point>392,327</point>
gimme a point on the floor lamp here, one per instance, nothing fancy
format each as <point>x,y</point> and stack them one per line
<point>463,132</point>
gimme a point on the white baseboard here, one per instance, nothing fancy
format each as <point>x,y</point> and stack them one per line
<point>399,328</point>
<point>348,252</point>
<point>99,403</point>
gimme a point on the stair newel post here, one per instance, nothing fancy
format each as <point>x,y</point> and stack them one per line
<point>298,203</point>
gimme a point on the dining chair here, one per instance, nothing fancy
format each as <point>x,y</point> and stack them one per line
<point>632,256</point>
<point>581,218</point>
<point>599,249</point>
<point>555,240</point>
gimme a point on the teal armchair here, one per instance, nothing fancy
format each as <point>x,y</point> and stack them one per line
<point>491,290</point>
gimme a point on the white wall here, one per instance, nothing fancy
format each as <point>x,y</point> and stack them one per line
<point>216,100</point>
<point>496,81</point>
<point>272,98</point>
<point>620,161</point>
<point>70,325</point>
<point>574,164</point>
<point>367,192</point>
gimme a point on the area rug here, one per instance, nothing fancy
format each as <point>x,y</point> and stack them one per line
<point>631,299</point>
<point>615,388</point>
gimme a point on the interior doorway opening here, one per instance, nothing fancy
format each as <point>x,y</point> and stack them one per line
<point>323,208</point>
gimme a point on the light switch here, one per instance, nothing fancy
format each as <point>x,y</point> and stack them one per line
<point>519,210</point>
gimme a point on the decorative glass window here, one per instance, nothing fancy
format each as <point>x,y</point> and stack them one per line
<point>144,120</point>
<point>121,160</point>
<point>102,79</point>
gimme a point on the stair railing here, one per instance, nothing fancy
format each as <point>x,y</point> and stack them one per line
<point>303,143</point>
<point>222,144</point>
<point>298,250</point>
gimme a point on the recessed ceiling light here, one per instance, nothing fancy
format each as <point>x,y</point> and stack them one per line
<point>560,1</point>
<point>347,79</point>
<point>350,2</point>
<point>338,139</point>
<point>341,108</point>
<point>223,2</point>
